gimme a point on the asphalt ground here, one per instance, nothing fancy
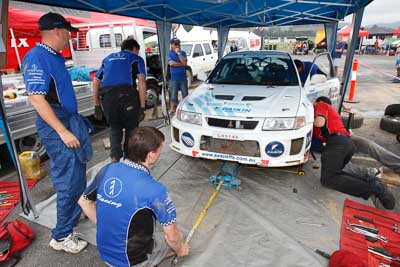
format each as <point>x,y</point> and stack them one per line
<point>375,90</point>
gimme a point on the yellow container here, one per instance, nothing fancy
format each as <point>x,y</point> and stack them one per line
<point>30,164</point>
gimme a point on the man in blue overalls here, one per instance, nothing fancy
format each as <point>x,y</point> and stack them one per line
<point>63,132</point>
<point>114,88</point>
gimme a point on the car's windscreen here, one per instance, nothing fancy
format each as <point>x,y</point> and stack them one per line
<point>272,70</point>
<point>187,48</point>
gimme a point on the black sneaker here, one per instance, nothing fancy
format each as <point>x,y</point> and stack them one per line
<point>387,198</point>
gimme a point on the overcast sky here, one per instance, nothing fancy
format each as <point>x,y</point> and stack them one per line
<point>380,11</point>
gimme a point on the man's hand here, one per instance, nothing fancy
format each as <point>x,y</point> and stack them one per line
<point>98,113</point>
<point>184,251</point>
<point>177,50</point>
<point>141,115</point>
<point>69,139</point>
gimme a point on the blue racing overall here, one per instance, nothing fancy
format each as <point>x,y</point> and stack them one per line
<point>45,74</point>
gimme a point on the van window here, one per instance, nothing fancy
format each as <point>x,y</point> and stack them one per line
<point>187,48</point>
<point>198,51</point>
<point>105,40</point>
<point>207,48</point>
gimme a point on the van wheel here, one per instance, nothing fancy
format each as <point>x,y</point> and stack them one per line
<point>32,143</point>
<point>189,77</point>
<point>151,95</point>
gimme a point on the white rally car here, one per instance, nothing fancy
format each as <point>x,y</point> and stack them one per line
<point>253,109</point>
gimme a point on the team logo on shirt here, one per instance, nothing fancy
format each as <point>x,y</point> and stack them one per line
<point>112,187</point>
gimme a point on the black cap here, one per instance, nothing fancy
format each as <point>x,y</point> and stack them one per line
<point>51,20</point>
<point>175,41</point>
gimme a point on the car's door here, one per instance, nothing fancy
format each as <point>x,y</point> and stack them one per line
<point>324,83</point>
<point>198,59</point>
<point>211,59</point>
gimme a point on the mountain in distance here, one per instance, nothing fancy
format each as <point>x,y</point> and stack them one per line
<point>391,25</point>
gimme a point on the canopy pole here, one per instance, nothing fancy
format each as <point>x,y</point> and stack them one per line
<point>331,36</point>
<point>164,35</point>
<point>222,39</point>
<point>14,43</point>
<point>356,23</point>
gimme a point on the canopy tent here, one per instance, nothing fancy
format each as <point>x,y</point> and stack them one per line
<point>345,32</point>
<point>396,32</point>
<point>223,13</point>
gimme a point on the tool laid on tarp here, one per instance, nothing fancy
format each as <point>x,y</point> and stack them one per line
<point>228,178</point>
<point>27,204</point>
<point>371,233</point>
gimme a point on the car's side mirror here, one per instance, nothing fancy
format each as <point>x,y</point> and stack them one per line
<point>318,78</point>
<point>202,76</point>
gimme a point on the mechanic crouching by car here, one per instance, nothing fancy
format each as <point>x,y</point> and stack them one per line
<point>338,151</point>
<point>304,67</point>
<point>115,90</point>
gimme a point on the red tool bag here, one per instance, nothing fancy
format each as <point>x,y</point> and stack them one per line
<point>14,237</point>
<point>371,233</point>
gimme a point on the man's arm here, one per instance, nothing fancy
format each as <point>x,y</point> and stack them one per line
<point>88,207</point>
<point>174,240</point>
<point>319,121</point>
<point>142,90</point>
<point>175,64</point>
<point>96,88</point>
<point>47,114</point>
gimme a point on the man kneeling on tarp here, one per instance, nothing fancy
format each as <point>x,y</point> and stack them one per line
<point>124,201</point>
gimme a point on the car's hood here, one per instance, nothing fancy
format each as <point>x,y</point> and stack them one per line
<point>244,100</point>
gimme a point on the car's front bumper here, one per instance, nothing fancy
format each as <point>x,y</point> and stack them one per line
<point>263,148</point>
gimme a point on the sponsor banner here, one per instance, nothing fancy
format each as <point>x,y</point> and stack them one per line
<point>228,157</point>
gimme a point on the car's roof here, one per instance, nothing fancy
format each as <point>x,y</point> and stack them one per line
<point>257,53</point>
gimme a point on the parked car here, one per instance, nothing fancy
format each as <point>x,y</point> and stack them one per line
<point>201,58</point>
<point>253,109</point>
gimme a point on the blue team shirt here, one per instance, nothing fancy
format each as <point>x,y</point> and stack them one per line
<point>177,73</point>
<point>125,195</point>
<point>113,70</point>
<point>340,45</point>
<point>41,66</point>
<point>306,71</point>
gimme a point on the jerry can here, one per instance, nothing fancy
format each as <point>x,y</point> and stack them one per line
<point>30,164</point>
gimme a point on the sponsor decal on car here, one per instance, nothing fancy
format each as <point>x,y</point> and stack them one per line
<point>308,138</point>
<point>187,139</point>
<point>275,149</point>
<point>226,136</point>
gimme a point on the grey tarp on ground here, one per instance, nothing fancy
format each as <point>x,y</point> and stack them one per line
<point>275,219</point>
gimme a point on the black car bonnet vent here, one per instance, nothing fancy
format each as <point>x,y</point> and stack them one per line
<point>253,98</point>
<point>224,97</point>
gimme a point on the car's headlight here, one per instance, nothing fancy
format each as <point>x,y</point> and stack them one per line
<point>275,124</point>
<point>189,117</point>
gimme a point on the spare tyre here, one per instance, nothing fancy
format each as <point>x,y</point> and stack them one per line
<point>356,122</point>
<point>390,124</point>
<point>393,110</point>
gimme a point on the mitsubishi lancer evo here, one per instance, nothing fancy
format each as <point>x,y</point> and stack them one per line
<point>253,109</point>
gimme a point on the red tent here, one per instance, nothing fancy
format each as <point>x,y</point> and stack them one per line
<point>345,31</point>
<point>24,24</point>
<point>396,32</point>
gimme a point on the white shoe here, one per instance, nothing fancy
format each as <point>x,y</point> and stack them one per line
<point>71,244</point>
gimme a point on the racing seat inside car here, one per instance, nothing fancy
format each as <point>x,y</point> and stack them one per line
<point>274,73</point>
<point>240,73</point>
